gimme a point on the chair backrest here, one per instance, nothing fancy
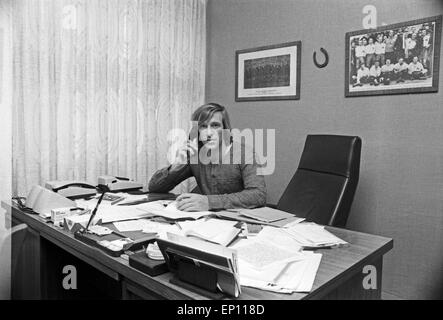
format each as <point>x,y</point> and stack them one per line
<point>323,187</point>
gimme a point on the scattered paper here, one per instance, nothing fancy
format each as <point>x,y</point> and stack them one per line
<point>161,228</point>
<point>279,237</point>
<point>263,254</point>
<point>266,214</point>
<point>313,235</point>
<point>130,225</point>
<point>214,230</point>
<point>298,276</point>
<point>171,211</point>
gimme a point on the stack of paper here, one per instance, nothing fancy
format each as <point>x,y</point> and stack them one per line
<point>213,230</point>
<point>279,237</point>
<point>280,268</point>
<point>131,225</point>
<point>265,214</point>
<point>171,212</point>
<point>162,229</point>
<point>313,236</point>
<point>147,226</point>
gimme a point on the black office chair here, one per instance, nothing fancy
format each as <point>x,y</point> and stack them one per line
<point>323,187</point>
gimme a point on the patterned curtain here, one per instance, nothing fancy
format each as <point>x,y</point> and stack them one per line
<point>98,84</point>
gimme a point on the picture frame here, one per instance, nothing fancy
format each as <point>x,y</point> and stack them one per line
<point>268,73</point>
<point>417,42</point>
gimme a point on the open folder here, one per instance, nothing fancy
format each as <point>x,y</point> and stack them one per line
<point>213,230</point>
<point>205,265</point>
<point>265,214</point>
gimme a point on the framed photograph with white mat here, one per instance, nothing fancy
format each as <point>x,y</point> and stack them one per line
<point>268,73</point>
<point>394,59</point>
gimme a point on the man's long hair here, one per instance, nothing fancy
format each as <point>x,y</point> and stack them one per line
<point>205,112</point>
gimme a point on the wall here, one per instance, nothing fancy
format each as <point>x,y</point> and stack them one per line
<point>400,194</point>
<point>5,139</point>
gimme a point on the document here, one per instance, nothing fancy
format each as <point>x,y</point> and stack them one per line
<point>115,213</point>
<point>237,216</point>
<point>147,226</point>
<point>299,276</point>
<point>313,263</point>
<point>285,275</point>
<point>131,225</point>
<point>279,237</point>
<point>162,229</point>
<point>313,235</point>
<point>259,253</point>
<point>204,246</point>
<point>265,214</point>
<point>214,230</point>
<point>111,213</point>
<point>170,211</point>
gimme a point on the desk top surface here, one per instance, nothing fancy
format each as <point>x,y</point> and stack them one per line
<point>336,266</point>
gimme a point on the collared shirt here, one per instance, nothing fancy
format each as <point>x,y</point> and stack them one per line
<point>413,67</point>
<point>362,73</point>
<point>360,51</point>
<point>380,48</point>
<point>375,72</point>
<point>387,68</point>
<point>233,183</point>
<point>410,44</point>
<point>400,67</point>
<point>390,43</point>
<point>370,48</point>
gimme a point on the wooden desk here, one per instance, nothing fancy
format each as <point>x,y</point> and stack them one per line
<point>48,249</point>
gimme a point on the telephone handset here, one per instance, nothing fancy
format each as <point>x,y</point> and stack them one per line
<point>194,136</point>
<point>74,184</point>
<point>72,189</point>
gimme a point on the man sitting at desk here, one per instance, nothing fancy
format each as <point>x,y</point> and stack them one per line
<point>226,180</point>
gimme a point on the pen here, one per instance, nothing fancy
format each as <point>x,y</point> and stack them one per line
<point>118,200</point>
<point>94,211</point>
<point>119,234</point>
<point>176,223</point>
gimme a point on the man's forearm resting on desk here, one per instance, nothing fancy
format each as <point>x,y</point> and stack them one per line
<point>253,195</point>
<point>251,198</point>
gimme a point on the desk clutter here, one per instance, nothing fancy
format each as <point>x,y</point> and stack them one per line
<point>263,248</point>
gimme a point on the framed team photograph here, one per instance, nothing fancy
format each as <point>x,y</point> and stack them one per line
<point>394,59</point>
<point>268,73</point>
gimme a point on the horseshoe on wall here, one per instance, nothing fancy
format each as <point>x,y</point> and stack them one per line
<point>325,63</point>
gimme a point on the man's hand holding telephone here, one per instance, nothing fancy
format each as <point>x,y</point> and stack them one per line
<point>183,155</point>
<point>188,201</point>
